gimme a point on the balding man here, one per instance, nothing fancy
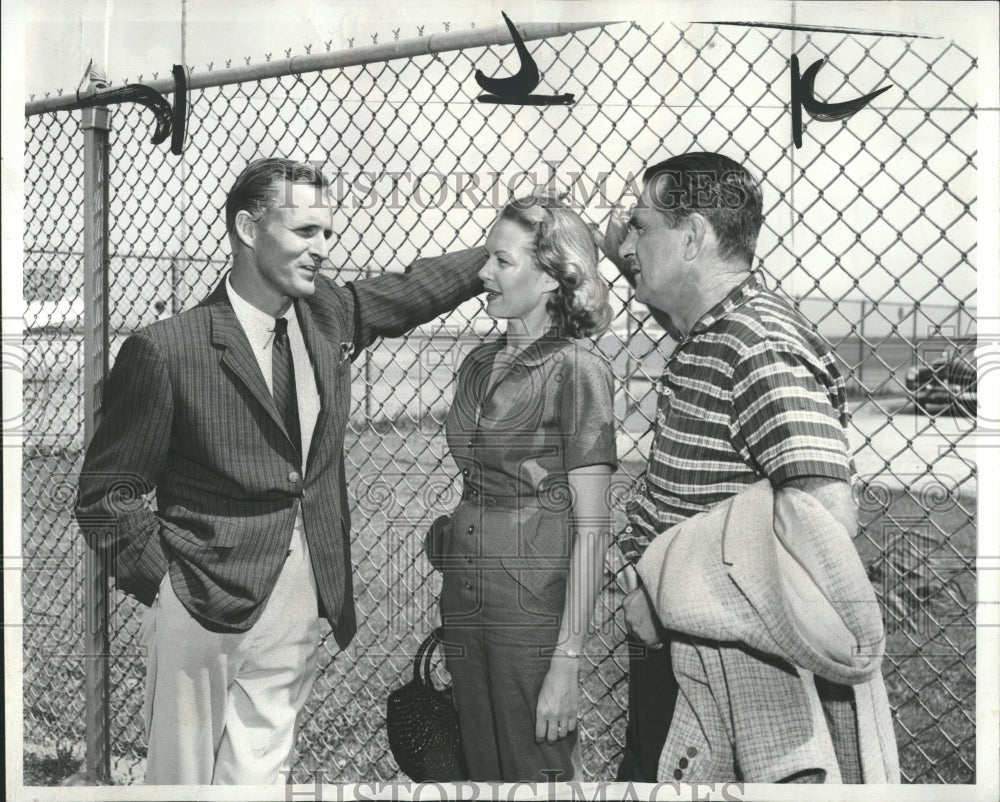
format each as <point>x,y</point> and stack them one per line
<point>750,392</point>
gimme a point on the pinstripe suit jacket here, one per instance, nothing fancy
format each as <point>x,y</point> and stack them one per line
<point>187,413</point>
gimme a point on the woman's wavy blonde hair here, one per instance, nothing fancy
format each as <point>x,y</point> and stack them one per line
<point>564,249</point>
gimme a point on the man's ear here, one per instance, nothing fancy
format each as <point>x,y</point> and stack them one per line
<point>246,228</point>
<point>697,229</point>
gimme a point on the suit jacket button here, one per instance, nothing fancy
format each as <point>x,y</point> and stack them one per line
<point>294,477</point>
<point>472,528</point>
<point>678,774</point>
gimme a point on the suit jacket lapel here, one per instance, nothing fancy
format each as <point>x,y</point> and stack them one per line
<point>325,370</point>
<point>237,356</point>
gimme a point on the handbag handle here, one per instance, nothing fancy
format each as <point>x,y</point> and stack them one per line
<point>422,662</point>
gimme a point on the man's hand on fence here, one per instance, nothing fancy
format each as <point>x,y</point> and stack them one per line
<point>614,236</point>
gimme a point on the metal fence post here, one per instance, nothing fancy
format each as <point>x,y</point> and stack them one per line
<point>95,125</point>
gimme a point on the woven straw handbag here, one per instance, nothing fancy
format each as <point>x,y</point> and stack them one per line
<point>422,723</point>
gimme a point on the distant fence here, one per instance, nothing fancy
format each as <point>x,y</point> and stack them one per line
<point>878,204</point>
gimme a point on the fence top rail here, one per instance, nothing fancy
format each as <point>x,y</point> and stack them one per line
<point>297,65</point>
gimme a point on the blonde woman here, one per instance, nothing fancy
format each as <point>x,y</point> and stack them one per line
<point>532,429</point>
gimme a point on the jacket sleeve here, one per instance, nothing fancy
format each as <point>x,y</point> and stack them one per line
<point>393,303</point>
<point>726,575</point>
<point>123,463</point>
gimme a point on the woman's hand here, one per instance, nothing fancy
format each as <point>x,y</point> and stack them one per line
<point>559,700</point>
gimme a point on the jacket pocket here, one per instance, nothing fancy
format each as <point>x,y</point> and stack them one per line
<point>215,533</point>
<point>139,563</point>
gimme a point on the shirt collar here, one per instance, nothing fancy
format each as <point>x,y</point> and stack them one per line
<point>539,350</point>
<point>735,298</point>
<point>258,325</point>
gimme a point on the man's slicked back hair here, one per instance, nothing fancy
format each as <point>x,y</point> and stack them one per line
<point>716,187</point>
<point>257,188</point>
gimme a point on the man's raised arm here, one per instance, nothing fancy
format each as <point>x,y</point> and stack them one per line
<point>614,236</point>
<point>391,304</point>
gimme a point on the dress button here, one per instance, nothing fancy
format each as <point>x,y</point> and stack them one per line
<point>468,586</point>
<point>294,477</point>
<point>472,528</point>
<point>465,472</point>
<point>471,444</point>
<point>678,774</point>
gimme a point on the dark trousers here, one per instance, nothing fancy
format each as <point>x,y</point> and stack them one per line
<point>499,628</point>
<point>652,694</point>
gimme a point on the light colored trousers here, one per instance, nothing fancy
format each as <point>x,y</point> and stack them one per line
<point>222,708</point>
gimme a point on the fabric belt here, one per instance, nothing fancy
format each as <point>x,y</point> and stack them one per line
<point>489,500</point>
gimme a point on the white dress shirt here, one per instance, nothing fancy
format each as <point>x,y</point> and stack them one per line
<point>259,329</point>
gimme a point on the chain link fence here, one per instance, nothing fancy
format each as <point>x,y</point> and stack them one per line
<point>870,228</point>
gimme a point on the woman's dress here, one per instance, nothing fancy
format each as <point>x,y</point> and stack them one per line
<point>507,550</point>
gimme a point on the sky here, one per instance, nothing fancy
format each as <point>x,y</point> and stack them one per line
<point>145,36</point>
<point>141,39</point>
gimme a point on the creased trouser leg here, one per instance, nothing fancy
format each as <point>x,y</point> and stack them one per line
<point>222,708</point>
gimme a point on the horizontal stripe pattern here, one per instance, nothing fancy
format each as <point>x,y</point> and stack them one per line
<point>751,392</point>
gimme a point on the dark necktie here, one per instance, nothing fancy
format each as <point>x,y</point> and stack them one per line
<point>283,382</point>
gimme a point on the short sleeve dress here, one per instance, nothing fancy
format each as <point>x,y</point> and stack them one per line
<point>507,550</point>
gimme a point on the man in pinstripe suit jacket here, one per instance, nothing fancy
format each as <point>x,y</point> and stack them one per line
<point>251,537</point>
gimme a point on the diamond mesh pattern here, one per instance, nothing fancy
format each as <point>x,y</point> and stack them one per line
<point>870,229</point>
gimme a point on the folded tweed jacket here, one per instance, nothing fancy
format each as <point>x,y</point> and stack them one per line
<point>763,597</point>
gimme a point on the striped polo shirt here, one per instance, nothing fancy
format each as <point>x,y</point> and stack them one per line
<point>750,392</point>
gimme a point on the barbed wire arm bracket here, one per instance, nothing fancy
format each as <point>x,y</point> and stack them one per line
<point>516,89</point>
<point>170,120</point>
<point>804,97</point>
